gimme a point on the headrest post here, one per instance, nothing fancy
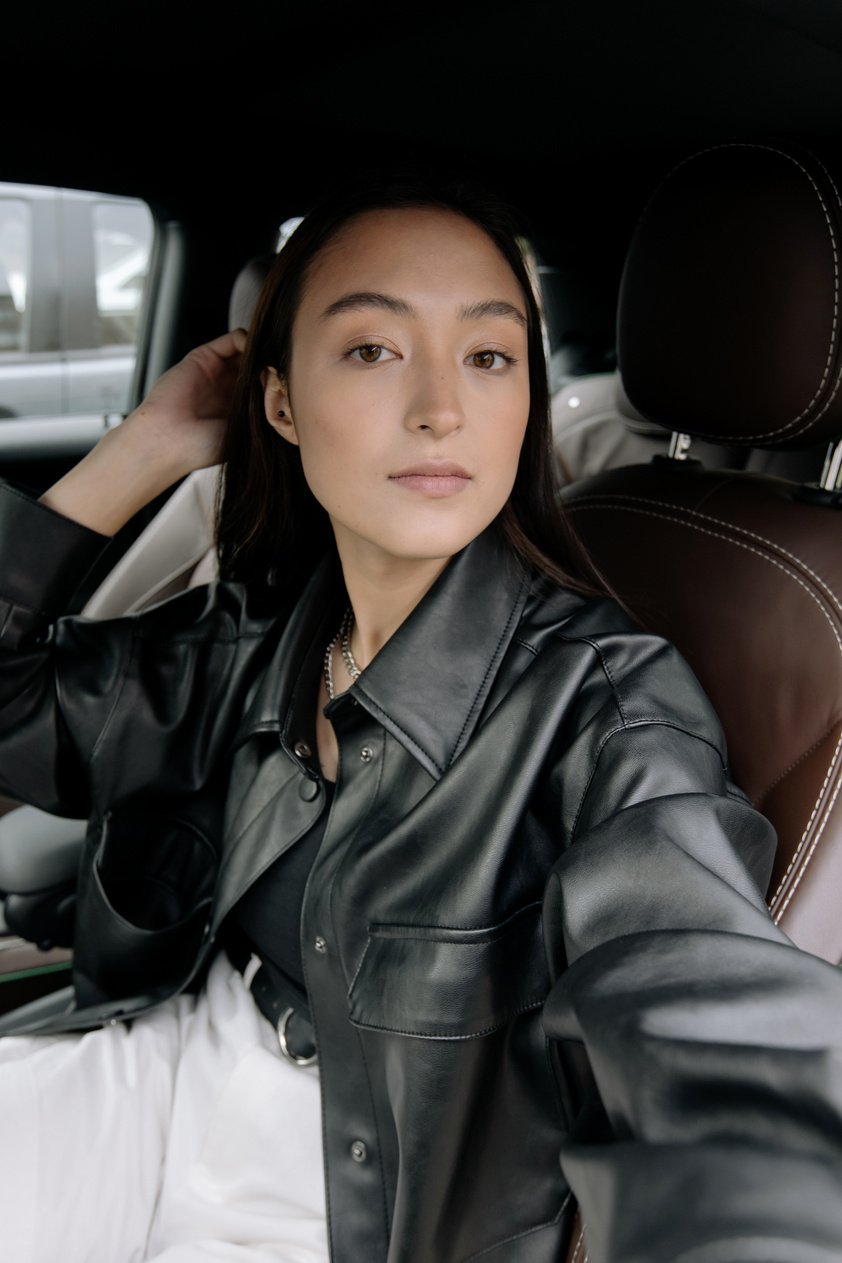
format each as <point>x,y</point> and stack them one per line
<point>679,445</point>
<point>831,478</point>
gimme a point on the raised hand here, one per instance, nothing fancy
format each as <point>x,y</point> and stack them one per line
<point>178,428</point>
<point>183,417</point>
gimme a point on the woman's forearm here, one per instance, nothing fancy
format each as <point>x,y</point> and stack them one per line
<point>117,478</point>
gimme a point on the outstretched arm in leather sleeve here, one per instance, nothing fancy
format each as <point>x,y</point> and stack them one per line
<point>715,1131</point>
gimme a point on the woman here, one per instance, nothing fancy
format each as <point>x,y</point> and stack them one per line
<point>466,831</point>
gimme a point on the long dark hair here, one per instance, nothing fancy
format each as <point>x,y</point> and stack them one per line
<point>269,526</point>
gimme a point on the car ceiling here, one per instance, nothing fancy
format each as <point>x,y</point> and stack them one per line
<point>238,120</point>
<point>163,89</point>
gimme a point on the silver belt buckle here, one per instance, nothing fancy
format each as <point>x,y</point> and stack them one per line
<point>283,1022</point>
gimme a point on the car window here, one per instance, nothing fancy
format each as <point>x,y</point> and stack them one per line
<point>74,273</point>
<point>14,271</point>
<point>122,246</point>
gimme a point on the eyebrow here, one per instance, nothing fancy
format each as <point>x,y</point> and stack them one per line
<point>493,307</point>
<point>366,298</point>
<point>398,307</point>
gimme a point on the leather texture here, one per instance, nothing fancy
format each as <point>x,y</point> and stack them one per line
<point>728,328</point>
<point>728,324</point>
<point>747,579</point>
<point>536,953</point>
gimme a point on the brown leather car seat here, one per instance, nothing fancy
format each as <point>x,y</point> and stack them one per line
<point>729,331</point>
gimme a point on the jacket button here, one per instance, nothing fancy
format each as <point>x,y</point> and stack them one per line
<point>358,1151</point>
<point>308,789</point>
<point>319,944</point>
<point>366,754</point>
<point>302,749</point>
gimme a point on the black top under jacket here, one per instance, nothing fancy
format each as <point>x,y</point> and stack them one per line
<point>268,917</point>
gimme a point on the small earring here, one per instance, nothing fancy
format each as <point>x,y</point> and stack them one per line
<point>281,412</point>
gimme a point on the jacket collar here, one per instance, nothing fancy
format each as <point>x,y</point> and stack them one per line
<point>428,684</point>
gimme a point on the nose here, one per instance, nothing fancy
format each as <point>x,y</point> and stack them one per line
<point>435,404</point>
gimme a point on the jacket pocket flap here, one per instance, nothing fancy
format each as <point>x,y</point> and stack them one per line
<point>439,983</point>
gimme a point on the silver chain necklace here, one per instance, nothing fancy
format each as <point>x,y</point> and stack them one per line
<point>343,639</point>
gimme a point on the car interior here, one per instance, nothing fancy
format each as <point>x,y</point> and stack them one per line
<point>677,169</point>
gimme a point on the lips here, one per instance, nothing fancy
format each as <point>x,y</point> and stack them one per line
<point>433,478</point>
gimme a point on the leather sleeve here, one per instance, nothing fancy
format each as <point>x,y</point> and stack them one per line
<point>94,713</point>
<point>43,558</point>
<point>715,1131</point>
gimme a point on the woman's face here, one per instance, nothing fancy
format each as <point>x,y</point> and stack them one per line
<point>408,388</point>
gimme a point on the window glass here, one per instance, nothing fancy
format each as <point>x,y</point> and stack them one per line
<point>14,271</point>
<point>122,245</point>
<point>73,268</point>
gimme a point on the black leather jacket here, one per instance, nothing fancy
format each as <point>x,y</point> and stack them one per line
<point>534,946</point>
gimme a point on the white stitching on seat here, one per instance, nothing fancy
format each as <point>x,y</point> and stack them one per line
<point>798,854</point>
<point>816,840</point>
<point>579,1245</point>
<point>718,521</point>
<point>748,438</point>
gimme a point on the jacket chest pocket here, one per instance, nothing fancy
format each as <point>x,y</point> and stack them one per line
<point>144,901</point>
<point>435,982</point>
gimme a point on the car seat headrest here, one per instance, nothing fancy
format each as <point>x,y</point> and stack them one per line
<point>246,289</point>
<point>630,415</point>
<point>729,313</point>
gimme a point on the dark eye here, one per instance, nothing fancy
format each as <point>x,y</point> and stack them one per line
<point>490,360</point>
<point>369,354</point>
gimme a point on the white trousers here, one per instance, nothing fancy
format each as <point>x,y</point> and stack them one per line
<point>184,1138</point>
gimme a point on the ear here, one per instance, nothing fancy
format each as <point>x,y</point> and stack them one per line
<point>276,405</point>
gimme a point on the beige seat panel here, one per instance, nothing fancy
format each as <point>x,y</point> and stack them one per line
<point>175,551</point>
